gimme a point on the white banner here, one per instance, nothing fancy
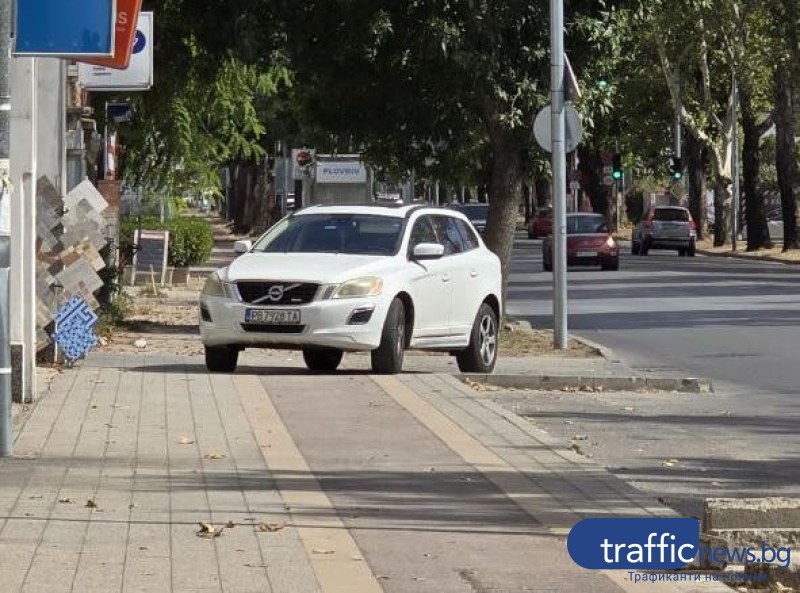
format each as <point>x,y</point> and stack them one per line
<point>341,172</point>
<point>138,76</point>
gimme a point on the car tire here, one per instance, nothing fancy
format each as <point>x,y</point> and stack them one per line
<point>635,248</point>
<point>324,360</point>
<point>481,354</point>
<point>692,249</point>
<point>644,249</point>
<point>221,359</point>
<point>387,358</point>
<point>531,235</point>
<point>548,266</point>
<point>682,252</point>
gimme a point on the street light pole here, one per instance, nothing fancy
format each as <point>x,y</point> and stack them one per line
<point>6,435</point>
<point>559,164</point>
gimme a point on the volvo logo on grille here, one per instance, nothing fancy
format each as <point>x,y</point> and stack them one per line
<point>275,293</point>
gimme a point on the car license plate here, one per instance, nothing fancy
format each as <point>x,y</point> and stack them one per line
<point>586,254</point>
<point>272,316</point>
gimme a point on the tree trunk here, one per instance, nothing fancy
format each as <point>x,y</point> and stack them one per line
<point>784,153</point>
<point>723,208</point>
<point>696,161</point>
<point>757,231</point>
<point>504,193</point>
<point>544,190</point>
<point>591,169</point>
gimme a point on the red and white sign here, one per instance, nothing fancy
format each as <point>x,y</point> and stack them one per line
<point>124,35</point>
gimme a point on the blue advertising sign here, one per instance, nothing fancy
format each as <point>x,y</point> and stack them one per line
<point>65,27</point>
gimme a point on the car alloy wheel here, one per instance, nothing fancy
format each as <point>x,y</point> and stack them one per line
<point>488,339</point>
<point>387,358</point>
<point>480,355</point>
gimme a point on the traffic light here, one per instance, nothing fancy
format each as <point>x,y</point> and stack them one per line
<point>616,167</point>
<point>676,168</point>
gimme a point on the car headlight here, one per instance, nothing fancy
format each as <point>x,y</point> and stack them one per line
<point>360,287</point>
<point>610,242</point>
<point>213,286</point>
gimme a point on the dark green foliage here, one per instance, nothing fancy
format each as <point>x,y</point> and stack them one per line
<point>190,240</point>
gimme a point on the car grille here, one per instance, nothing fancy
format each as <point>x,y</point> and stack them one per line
<point>277,292</point>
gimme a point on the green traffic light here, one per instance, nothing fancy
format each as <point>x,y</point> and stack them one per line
<point>677,175</point>
<point>616,175</point>
<point>602,84</point>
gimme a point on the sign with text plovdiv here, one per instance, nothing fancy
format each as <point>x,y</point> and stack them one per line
<point>138,76</point>
<point>341,172</point>
<point>65,27</point>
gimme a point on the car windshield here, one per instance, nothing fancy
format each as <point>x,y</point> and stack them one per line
<point>586,224</point>
<point>475,211</point>
<point>671,214</point>
<point>357,234</point>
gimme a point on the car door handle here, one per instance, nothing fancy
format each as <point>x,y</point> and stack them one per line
<point>473,273</point>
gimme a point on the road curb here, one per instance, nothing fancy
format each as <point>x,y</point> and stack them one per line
<point>766,258</point>
<point>590,382</point>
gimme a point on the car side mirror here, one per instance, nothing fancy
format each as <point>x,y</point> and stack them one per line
<point>424,251</point>
<point>242,246</point>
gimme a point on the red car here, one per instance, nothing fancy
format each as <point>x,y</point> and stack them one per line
<point>589,243</point>
<point>541,224</point>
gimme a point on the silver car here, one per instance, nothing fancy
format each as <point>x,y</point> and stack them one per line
<point>665,227</point>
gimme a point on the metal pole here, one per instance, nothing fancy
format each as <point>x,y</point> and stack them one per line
<point>735,162</point>
<point>6,425</point>
<point>559,174</point>
<point>287,172</point>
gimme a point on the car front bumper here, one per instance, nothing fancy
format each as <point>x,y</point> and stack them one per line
<point>326,323</point>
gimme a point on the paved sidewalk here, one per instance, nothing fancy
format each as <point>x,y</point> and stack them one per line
<point>327,483</point>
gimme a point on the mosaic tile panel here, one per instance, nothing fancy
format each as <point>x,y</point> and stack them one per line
<point>71,233</point>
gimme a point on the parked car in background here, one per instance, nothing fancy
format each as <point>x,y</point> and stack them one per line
<point>665,227</point>
<point>589,243</point>
<point>774,225</point>
<point>477,214</point>
<point>378,278</point>
<point>541,224</point>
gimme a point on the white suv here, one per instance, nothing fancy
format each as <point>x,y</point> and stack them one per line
<point>330,279</point>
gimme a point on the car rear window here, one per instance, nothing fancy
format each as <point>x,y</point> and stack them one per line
<point>671,214</point>
<point>577,225</point>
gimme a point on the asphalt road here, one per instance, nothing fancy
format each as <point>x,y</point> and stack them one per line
<point>734,321</point>
<point>731,320</point>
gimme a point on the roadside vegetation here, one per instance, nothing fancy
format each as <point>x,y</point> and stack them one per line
<point>450,91</point>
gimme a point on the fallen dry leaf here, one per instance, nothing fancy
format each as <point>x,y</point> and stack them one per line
<point>90,504</point>
<point>186,441</point>
<point>323,552</point>
<point>68,501</point>
<point>270,527</point>
<point>230,525</point>
<point>215,456</point>
<point>208,530</point>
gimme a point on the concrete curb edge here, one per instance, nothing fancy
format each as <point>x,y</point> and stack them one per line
<point>591,382</point>
<point>766,258</point>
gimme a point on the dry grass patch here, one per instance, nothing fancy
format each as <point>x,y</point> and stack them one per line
<point>774,253</point>
<point>519,341</point>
